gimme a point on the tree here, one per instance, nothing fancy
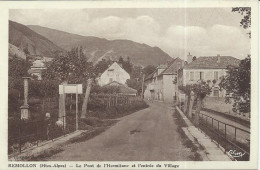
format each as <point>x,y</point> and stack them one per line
<point>237,83</point>
<point>137,72</point>
<point>246,21</point>
<point>200,90</point>
<point>72,68</point>
<point>102,65</point>
<point>18,67</point>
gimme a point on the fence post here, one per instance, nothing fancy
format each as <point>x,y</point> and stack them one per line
<point>235,134</point>
<point>20,147</point>
<point>52,131</point>
<point>218,134</point>
<point>225,137</point>
<point>212,128</point>
<point>225,131</point>
<point>63,126</point>
<point>37,133</point>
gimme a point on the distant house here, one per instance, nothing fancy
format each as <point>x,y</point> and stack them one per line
<point>161,83</point>
<point>37,68</point>
<point>208,69</point>
<point>114,73</point>
<point>123,89</point>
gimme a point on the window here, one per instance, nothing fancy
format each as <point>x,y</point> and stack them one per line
<point>216,93</point>
<point>110,72</point>
<point>201,75</point>
<point>191,76</point>
<point>215,75</point>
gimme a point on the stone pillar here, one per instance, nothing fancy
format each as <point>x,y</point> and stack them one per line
<point>25,108</point>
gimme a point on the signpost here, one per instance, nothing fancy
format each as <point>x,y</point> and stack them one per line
<point>71,89</point>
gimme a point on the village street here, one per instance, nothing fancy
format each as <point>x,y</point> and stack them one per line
<point>147,135</point>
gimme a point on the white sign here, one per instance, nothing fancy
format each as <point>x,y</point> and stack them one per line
<point>70,88</point>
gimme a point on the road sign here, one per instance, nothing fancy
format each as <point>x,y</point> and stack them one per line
<point>70,89</point>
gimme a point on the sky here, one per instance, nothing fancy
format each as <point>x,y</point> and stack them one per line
<point>177,31</point>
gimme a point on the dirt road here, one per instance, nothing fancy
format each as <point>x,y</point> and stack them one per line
<point>147,135</point>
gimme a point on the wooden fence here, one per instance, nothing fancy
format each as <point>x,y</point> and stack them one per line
<point>110,100</point>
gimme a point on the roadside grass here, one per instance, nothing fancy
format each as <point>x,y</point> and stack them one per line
<point>195,156</point>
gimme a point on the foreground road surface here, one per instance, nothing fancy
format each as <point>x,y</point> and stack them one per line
<point>147,135</point>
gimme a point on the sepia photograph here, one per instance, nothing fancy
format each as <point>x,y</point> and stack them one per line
<point>129,84</point>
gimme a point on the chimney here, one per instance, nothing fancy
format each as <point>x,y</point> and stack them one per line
<point>218,58</point>
<point>189,58</point>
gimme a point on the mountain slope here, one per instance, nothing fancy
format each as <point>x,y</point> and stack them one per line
<point>98,48</point>
<point>23,37</point>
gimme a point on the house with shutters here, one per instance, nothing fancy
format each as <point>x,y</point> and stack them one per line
<point>210,69</point>
<point>115,72</point>
<point>160,85</point>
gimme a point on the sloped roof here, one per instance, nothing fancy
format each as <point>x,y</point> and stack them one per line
<point>38,63</point>
<point>151,75</point>
<point>122,88</point>
<point>172,67</point>
<point>211,62</point>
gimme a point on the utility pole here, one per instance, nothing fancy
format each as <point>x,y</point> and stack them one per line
<point>177,82</point>
<point>143,87</point>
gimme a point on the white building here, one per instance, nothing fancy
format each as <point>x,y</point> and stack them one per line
<point>209,69</point>
<point>161,83</point>
<point>114,73</point>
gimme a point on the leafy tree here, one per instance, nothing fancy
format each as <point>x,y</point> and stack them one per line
<point>18,67</point>
<point>246,21</point>
<point>238,85</point>
<point>26,51</point>
<point>102,65</point>
<point>72,68</point>
<point>137,72</point>
<point>120,60</point>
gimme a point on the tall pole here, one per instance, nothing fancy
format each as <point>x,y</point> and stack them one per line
<point>177,81</point>
<point>143,87</point>
<point>77,123</point>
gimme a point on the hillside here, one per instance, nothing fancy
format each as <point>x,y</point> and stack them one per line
<point>97,48</point>
<point>22,37</point>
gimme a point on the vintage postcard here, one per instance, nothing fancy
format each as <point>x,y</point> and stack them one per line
<point>129,84</point>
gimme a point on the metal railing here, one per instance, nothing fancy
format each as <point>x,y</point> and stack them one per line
<point>228,136</point>
<point>26,134</point>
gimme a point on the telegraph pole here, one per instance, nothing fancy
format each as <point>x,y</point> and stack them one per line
<point>143,87</point>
